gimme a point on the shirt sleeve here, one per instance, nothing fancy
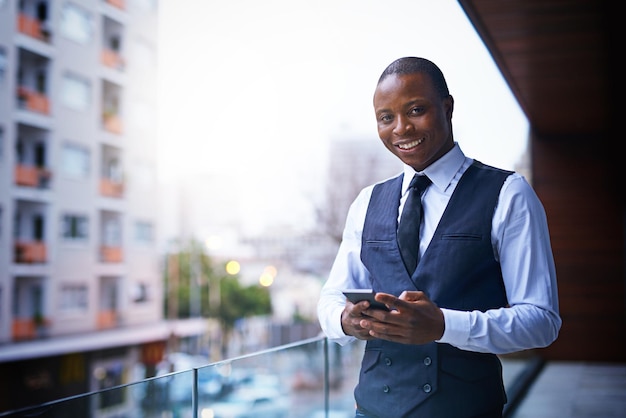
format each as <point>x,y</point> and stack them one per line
<point>521,243</point>
<point>347,272</point>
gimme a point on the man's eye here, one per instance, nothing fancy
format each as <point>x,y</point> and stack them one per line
<point>416,110</point>
<point>385,118</point>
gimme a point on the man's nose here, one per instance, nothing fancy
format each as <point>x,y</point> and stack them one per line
<point>402,125</point>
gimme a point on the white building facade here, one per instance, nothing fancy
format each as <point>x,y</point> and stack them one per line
<point>81,287</point>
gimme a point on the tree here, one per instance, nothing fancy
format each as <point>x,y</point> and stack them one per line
<point>236,302</point>
<point>196,287</point>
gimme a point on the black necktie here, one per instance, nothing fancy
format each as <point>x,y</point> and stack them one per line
<point>409,227</point>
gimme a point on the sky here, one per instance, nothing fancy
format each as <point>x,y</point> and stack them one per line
<point>252,92</point>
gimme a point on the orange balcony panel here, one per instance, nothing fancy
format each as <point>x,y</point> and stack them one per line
<point>33,101</point>
<point>120,4</point>
<point>23,329</point>
<point>111,188</point>
<point>112,59</point>
<point>38,102</point>
<point>26,176</point>
<point>29,26</point>
<point>113,124</point>
<point>107,319</point>
<point>28,329</point>
<point>30,252</point>
<point>111,254</point>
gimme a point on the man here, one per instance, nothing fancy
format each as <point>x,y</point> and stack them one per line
<point>485,283</point>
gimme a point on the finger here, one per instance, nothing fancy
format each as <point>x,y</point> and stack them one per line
<point>412,295</point>
<point>386,298</point>
<point>355,310</point>
<point>387,333</point>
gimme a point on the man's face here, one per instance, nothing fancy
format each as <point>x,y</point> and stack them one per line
<point>414,123</point>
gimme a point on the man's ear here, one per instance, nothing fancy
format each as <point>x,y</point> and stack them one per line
<point>449,103</point>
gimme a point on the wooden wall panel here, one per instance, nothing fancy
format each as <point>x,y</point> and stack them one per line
<point>586,219</point>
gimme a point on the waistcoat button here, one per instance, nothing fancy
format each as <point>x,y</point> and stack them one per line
<point>386,389</point>
<point>387,361</point>
<point>428,361</point>
<point>427,388</point>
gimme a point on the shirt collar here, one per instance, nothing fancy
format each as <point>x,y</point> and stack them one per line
<point>441,172</point>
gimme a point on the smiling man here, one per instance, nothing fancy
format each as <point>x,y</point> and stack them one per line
<point>473,278</point>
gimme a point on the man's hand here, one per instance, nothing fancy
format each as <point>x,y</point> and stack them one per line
<point>351,318</point>
<point>414,319</point>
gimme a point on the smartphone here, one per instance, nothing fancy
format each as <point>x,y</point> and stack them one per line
<point>357,295</point>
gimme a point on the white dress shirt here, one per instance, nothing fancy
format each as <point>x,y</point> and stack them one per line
<point>521,243</point>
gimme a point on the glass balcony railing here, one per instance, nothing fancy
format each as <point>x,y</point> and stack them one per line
<point>308,379</point>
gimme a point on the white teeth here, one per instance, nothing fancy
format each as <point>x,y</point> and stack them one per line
<point>411,144</point>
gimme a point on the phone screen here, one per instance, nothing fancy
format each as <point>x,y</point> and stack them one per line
<point>357,295</point>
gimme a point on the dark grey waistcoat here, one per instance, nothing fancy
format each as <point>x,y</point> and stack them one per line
<point>457,271</point>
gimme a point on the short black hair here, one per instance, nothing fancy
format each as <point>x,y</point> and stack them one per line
<point>417,65</point>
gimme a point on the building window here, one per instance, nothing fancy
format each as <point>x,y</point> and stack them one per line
<point>73,298</point>
<point>75,227</point>
<point>140,292</point>
<point>4,62</point>
<point>75,92</point>
<point>144,232</point>
<point>112,232</point>
<point>76,23</point>
<point>75,161</point>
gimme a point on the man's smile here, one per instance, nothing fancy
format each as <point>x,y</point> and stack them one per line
<point>410,145</point>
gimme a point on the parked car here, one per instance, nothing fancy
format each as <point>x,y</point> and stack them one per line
<point>176,381</point>
<point>333,413</point>
<point>249,402</point>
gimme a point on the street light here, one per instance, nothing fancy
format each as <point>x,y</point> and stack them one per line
<point>233,267</point>
<point>268,276</point>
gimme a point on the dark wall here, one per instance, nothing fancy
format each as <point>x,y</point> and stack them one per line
<point>33,382</point>
<point>579,186</point>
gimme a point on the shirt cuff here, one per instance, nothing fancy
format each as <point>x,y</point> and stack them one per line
<point>457,329</point>
<point>335,332</point>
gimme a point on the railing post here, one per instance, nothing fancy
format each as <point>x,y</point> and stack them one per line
<point>326,379</point>
<point>194,394</point>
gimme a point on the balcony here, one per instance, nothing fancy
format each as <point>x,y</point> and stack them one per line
<point>107,319</point>
<point>26,176</point>
<point>306,379</point>
<point>111,122</point>
<point>112,59</point>
<point>32,27</point>
<point>32,252</point>
<point>111,188</point>
<point>30,328</point>
<point>110,254</point>
<point>32,100</point>
<point>29,176</point>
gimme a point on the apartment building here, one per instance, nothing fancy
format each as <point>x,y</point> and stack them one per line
<point>81,294</point>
